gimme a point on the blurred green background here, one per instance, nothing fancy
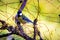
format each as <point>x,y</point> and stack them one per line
<point>48,18</point>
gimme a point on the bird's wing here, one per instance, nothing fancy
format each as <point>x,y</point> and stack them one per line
<point>26,19</point>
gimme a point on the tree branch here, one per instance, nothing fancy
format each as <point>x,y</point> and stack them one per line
<point>19,32</point>
<point>5,35</point>
<point>36,31</point>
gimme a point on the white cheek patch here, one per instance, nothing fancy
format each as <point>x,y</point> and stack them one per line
<point>20,14</point>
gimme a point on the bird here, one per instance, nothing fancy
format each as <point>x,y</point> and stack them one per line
<point>22,18</point>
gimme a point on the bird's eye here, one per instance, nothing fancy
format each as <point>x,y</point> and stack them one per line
<point>20,14</point>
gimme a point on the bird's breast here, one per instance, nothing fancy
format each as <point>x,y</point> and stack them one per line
<point>21,20</point>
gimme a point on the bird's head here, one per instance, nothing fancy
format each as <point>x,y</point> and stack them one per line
<point>19,13</point>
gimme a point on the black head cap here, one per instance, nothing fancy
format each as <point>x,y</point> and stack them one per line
<point>18,13</point>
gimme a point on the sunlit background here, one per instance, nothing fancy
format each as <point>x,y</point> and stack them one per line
<point>48,19</point>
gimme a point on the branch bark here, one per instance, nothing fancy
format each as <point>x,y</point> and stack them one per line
<point>36,31</point>
<point>19,32</point>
